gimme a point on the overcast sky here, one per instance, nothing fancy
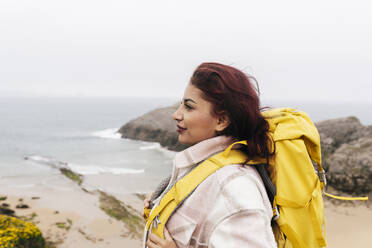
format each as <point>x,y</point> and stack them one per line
<point>301,50</point>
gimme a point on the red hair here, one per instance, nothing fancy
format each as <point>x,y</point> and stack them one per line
<point>231,92</point>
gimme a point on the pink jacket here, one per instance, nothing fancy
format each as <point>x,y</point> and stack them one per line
<point>228,209</point>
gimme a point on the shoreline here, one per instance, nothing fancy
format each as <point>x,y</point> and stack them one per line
<point>79,221</point>
<point>72,217</point>
<point>69,214</point>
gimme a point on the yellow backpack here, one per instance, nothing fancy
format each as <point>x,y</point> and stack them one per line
<point>300,219</point>
<point>297,195</point>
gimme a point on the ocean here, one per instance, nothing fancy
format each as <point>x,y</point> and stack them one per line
<point>81,133</point>
<point>38,133</point>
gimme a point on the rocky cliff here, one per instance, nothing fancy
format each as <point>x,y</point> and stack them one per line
<point>346,146</point>
<point>347,154</point>
<point>155,126</point>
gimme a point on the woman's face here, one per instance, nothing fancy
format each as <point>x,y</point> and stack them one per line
<point>195,121</point>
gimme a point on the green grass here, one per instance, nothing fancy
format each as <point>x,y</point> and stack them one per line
<point>87,237</point>
<point>118,210</point>
<point>30,217</point>
<point>64,225</point>
<point>72,175</point>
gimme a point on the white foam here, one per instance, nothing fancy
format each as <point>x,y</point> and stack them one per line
<point>95,170</point>
<point>110,133</point>
<point>151,146</point>
<point>47,161</point>
<point>82,169</point>
<point>38,158</point>
<point>158,147</point>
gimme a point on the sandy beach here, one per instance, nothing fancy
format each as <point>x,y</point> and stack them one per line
<point>348,225</point>
<point>71,217</point>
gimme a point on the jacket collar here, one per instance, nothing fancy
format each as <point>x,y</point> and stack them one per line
<point>201,151</point>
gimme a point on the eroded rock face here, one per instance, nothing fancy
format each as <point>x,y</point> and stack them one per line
<point>347,154</point>
<point>155,126</point>
<point>333,133</point>
<point>350,167</point>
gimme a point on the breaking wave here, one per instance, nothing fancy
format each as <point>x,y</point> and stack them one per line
<point>156,146</point>
<point>110,133</point>
<point>82,169</point>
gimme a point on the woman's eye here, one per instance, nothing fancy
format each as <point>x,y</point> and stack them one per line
<point>188,107</point>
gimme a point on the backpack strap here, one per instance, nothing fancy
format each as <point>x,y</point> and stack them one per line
<point>185,186</point>
<point>346,198</point>
<point>269,187</point>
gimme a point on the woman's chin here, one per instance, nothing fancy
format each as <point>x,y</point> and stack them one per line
<point>183,141</point>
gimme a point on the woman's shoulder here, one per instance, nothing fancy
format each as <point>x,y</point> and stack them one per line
<point>233,187</point>
<point>233,190</point>
<point>232,193</point>
<point>233,172</point>
<point>241,187</point>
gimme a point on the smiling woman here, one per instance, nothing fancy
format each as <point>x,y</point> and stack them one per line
<point>228,206</point>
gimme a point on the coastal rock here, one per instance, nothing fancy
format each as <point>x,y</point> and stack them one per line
<point>22,206</point>
<point>347,154</point>
<point>351,167</point>
<point>335,132</point>
<point>5,210</point>
<point>155,126</point>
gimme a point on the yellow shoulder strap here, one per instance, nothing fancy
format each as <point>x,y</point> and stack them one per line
<point>185,186</point>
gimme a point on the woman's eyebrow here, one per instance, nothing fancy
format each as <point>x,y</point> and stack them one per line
<point>188,100</point>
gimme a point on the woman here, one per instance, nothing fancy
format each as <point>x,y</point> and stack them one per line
<point>230,208</point>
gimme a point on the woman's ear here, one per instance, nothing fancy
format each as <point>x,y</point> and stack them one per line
<point>223,122</point>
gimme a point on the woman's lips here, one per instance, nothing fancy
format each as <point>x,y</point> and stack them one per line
<point>180,129</point>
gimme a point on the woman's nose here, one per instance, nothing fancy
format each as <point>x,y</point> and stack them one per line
<point>177,114</point>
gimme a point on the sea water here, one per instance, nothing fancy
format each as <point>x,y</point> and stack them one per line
<point>36,134</point>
